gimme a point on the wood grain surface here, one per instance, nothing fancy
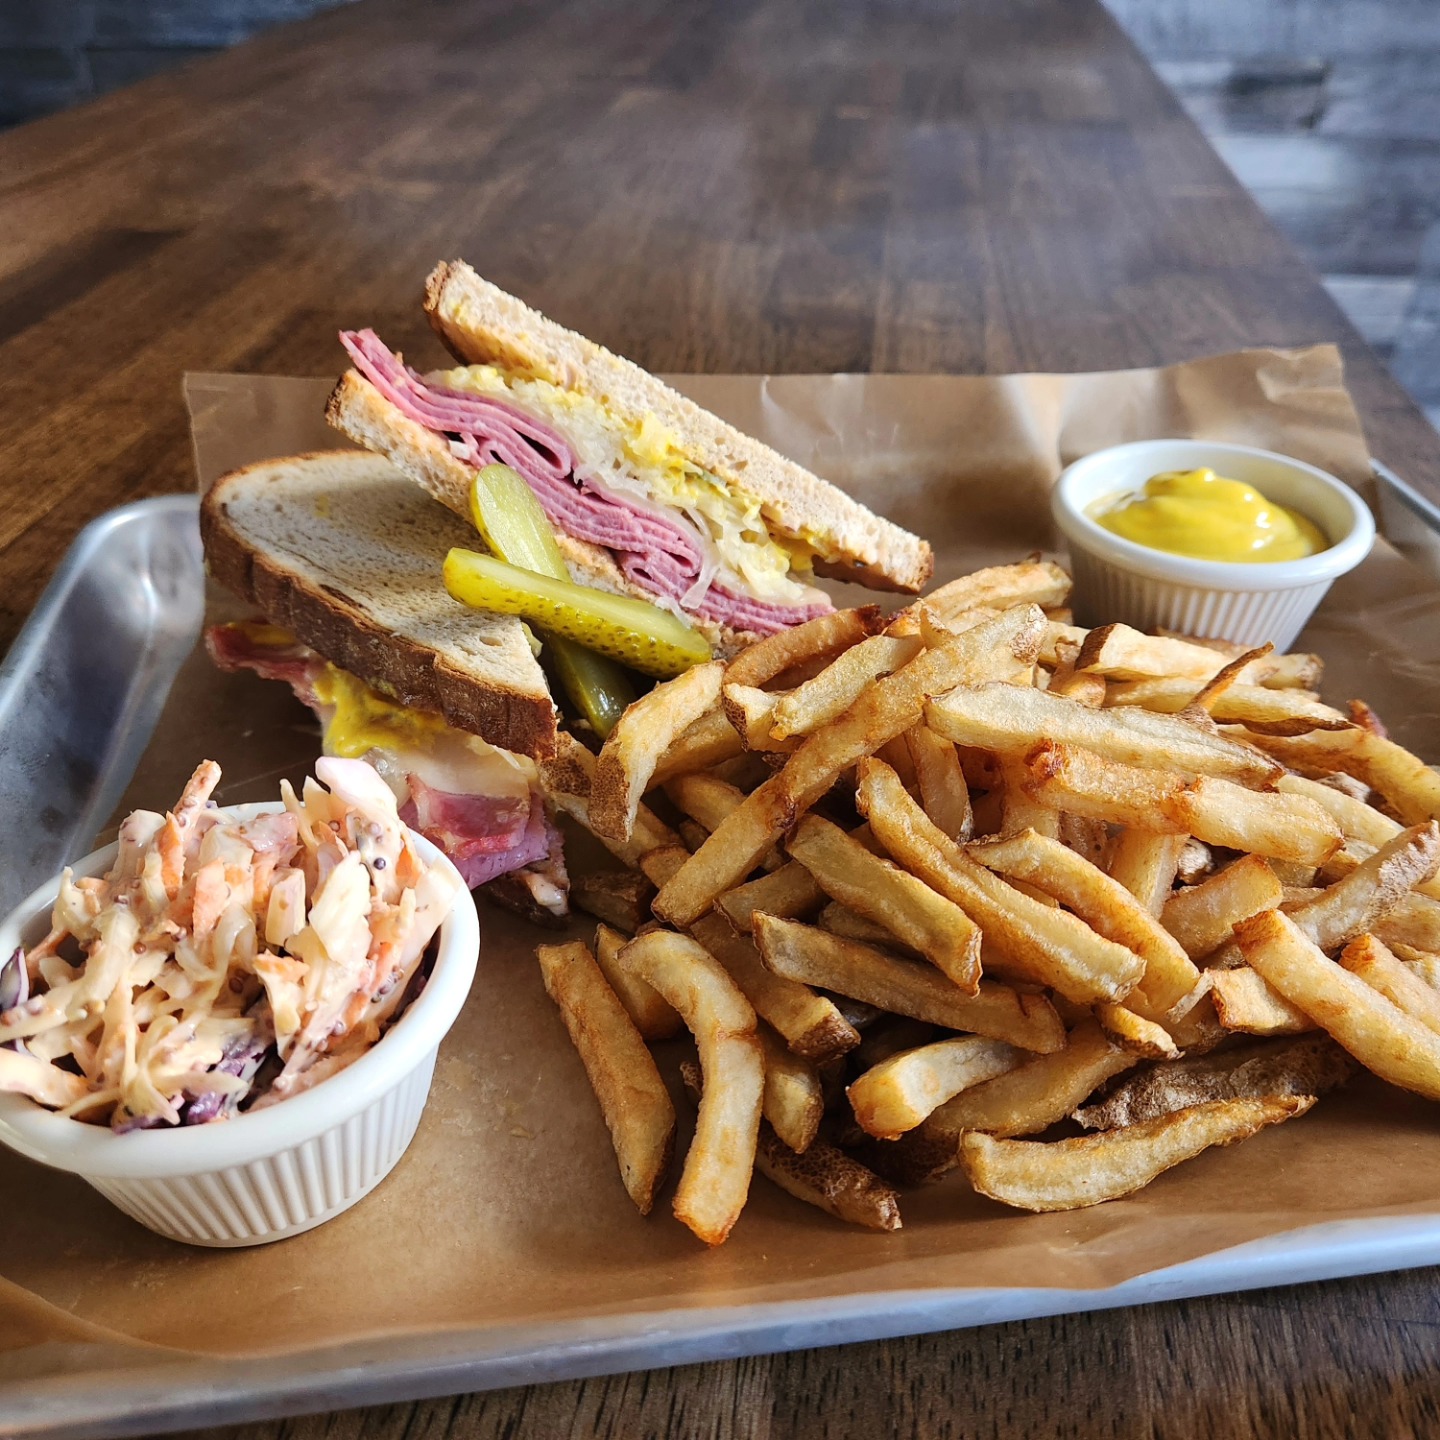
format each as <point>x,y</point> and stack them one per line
<point>728,185</point>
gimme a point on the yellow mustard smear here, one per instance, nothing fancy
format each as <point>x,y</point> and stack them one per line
<point>1203,515</point>
<point>366,720</point>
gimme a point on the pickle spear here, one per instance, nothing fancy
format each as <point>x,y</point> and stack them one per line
<point>633,631</point>
<point>515,527</point>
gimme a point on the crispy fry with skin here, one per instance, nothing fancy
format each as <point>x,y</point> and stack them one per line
<point>751,711</point>
<point>640,738</point>
<point>1145,862</point>
<point>1104,904</point>
<point>830,693</point>
<point>1072,1174</point>
<point>716,1177</point>
<point>943,791</point>
<point>898,1093</point>
<point>1019,812</point>
<point>1145,1038</point>
<point>886,710</point>
<point>823,1176</point>
<point>881,891</point>
<point>790,891</point>
<point>1006,719</point>
<point>1373,961</point>
<point>1381,1036</point>
<point>1121,653</point>
<point>793,1101</point>
<point>1218,812</point>
<point>1051,946</point>
<point>1031,582</point>
<point>1414,922</point>
<point>1257,708</point>
<point>1310,1064</point>
<point>653,1017</point>
<point>567,779</point>
<point>1406,781</point>
<point>812,957</point>
<point>663,862</point>
<point>632,1096</point>
<point>811,1024</point>
<point>1203,917</point>
<point>762,662</point>
<point>1245,1003</point>
<point>840,919</point>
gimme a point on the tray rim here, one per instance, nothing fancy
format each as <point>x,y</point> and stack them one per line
<point>172,1391</point>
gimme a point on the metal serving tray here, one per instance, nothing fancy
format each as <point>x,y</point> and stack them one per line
<point>80,693</point>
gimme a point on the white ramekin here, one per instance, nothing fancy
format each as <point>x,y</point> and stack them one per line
<point>287,1168</point>
<point>1117,580</point>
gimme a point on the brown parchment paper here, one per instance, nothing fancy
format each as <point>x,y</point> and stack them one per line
<point>507,1210</point>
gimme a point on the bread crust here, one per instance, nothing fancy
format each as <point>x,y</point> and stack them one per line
<point>357,409</point>
<point>482,324</point>
<point>514,713</point>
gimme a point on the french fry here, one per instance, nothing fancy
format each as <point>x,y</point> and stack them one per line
<point>823,1176</point>
<point>836,688</point>
<point>1072,1174</point>
<point>1381,1036</point>
<point>762,662</point>
<point>1203,917</point>
<point>1310,1064</point>
<point>793,1101</point>
<point>704,798</point>
<point>1197,860</point>
<point>1031,582</point>
<point>830,1180</point>
<point>632,1096</point>
<point>1145,862</point>
<point>897,1094</point>
<point>887,709</point>
<point>664,861</point>
<point>703,744</point>
<point>811,1024</point>
<point>1019,812</point>
<point>1257,708</point>
<point>1218,812</point>
<point>889,1036</point>
<point>790,891</point>
<point>841,920</point>
<point>653,1017</point>
<point>1296,671</point>
<point>1104,904</point>
<point>846,871</point>
<point>1043,1090</point>
<point>812,957</point>
<point>1410,786</point>
<point>1007,719</point>
<point>716,1177</point>
<point>1120,653</point>
<point>1373,961</point>
<point>1048,945</point>
<point>1145,1038</point>
<point>943,792</point>
<point>567,779</point>
<point>1415,922</point>
<point>1247,1005</point>
<point>640,738</point>
<point>619,897</point>
<point>752,713</point>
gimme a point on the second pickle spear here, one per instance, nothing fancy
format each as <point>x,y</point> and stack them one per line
<point>516,528</point>
<point>640,634</point>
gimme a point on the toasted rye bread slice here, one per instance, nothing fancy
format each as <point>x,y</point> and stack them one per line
<point>357,409</point>
<point>345,553</point>
<point>483,325</point>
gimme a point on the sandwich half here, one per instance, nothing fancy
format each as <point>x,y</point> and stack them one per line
<point>650,494</point>
<point>341,557</point>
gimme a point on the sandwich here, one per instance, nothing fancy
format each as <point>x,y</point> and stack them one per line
<point>650,495</point>
<point>341,556</point>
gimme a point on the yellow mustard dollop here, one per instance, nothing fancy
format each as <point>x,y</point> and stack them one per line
<point>366,720</point>
<point>1203,515</point>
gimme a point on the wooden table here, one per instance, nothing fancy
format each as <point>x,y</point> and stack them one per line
<point>725,185</point>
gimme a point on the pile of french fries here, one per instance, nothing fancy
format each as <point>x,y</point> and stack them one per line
<point>924,887</point>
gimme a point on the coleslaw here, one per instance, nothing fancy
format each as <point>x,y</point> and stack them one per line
<point>223,964</point>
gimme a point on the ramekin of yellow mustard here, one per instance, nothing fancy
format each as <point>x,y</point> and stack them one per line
<point>1223,541</point>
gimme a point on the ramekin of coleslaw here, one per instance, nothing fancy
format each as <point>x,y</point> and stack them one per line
<point>227,1021</point>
